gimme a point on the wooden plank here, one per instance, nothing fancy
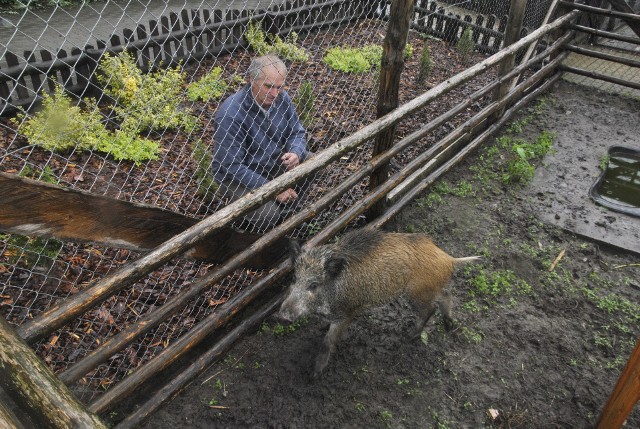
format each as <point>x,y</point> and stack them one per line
<point>34,387</point>
<point>31,207</point>
<point>19,85</point>
<point>390,74</point>
<point>624,396</point>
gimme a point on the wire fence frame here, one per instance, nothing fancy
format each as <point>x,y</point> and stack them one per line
<point>56,270</point>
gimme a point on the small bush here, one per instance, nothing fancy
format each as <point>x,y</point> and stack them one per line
<point>358,60</point>
<point>305,102</point>
<point>520,168</point>
<point>60,125</point>
<point>211,86</point>
<point>144,101</point>
<point>466,45</point>
<point>426,65</point>
<point>285,49</point>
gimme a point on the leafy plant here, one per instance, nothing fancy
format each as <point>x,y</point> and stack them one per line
<point>358,60</point>
<point>305,102</point>
<point>426,65</point>
<point>466,45</point>
<point>264,44</point>
<point>144,101</point>
<point>60,125</point>
<point>520,169</point>
<point>211,86</point>
<point>604,162</point>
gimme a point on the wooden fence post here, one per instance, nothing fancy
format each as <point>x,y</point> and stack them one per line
<point>511,35</point>
<point>390,71</point>
<point>624,396</point>
<point>35,388</point>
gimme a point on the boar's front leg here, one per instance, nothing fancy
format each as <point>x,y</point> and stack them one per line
<point>329,345</point>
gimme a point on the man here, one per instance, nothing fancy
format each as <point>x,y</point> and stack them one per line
<point>258,136</point>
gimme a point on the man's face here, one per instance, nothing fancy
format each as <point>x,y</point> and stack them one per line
<point>267,86</point>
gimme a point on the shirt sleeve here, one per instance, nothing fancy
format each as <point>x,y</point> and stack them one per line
<point>231,154</point>
<point>296,139</point>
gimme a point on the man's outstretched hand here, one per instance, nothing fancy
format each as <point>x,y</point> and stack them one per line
<point>286,196</point>
<point>290,160</point>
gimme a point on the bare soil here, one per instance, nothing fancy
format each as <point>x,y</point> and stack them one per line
<point>543,356</point>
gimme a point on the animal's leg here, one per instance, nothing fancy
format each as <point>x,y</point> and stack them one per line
<point>329,345</point>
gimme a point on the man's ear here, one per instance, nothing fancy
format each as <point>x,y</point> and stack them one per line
<point>333,266</point>
<point>295,248</point>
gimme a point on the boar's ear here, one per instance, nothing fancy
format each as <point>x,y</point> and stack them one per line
<point>333,266</point>
<point>295,249</point>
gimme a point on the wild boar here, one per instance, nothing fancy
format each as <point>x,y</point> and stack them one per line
<point>367,268</point>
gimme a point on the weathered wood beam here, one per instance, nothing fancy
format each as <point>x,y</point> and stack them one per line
<point>600,76</point>
<point>511,35</point>
<point>34,208</point>
<point>624,396</point>
<point>632,22</point>
<point>606,34</point>
<point>389,86</point>
<point>603,56</point>
<point>33,387</point>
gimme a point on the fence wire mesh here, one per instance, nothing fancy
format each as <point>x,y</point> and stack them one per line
<point>140,127</point>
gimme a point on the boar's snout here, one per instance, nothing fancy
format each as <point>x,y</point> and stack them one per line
<point>292,309</point>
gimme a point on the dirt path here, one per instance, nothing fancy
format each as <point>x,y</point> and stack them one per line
<point>540,347</point>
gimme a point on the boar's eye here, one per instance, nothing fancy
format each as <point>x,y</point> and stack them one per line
<point>313,286</point>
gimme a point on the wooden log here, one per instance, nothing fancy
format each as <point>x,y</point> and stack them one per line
<point>511,35</point>
<point>624,396</point>
<point>34,208</point>
<point>33,387</point>
<point>605,34</point>
<point>390,74</point>
<point>603,56</point>
<point>8,419</point>
<point>600,76</point>
<point>71,308</point>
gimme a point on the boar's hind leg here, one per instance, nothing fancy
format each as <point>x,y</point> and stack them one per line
<point>329,345</point>
<point>425,307</point>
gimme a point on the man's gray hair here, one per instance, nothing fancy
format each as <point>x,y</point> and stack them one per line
<point>259,63</point>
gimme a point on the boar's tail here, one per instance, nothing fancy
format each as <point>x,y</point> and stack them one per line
<point>458,261</point>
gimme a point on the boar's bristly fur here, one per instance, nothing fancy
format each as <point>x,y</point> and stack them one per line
<point>368,268</point>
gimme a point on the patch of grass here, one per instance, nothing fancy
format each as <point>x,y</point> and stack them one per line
<point>471,335</point>
<point>207,185</point>
<point>280,329</point>
<point>497,283</point>
<point>604,161</point>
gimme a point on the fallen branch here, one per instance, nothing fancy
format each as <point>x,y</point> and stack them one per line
<point>558,258</point>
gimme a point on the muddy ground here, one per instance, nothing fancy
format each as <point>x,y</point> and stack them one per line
<point>536,346</point>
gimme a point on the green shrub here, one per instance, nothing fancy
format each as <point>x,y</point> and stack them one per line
<point>466,45</point>
<point>426,65</point>
<point>358,60</point>
<point>520,168</point>
<point>144,101</point>
<point>211,86</point>
<point>305,102</point>
<point>60,125</point>
<point>285,49</point>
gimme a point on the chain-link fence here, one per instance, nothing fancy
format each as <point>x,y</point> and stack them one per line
<point>133,109</point>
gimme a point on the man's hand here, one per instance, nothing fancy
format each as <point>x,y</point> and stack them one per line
<point>286,196</point>
<point>290,160</point>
